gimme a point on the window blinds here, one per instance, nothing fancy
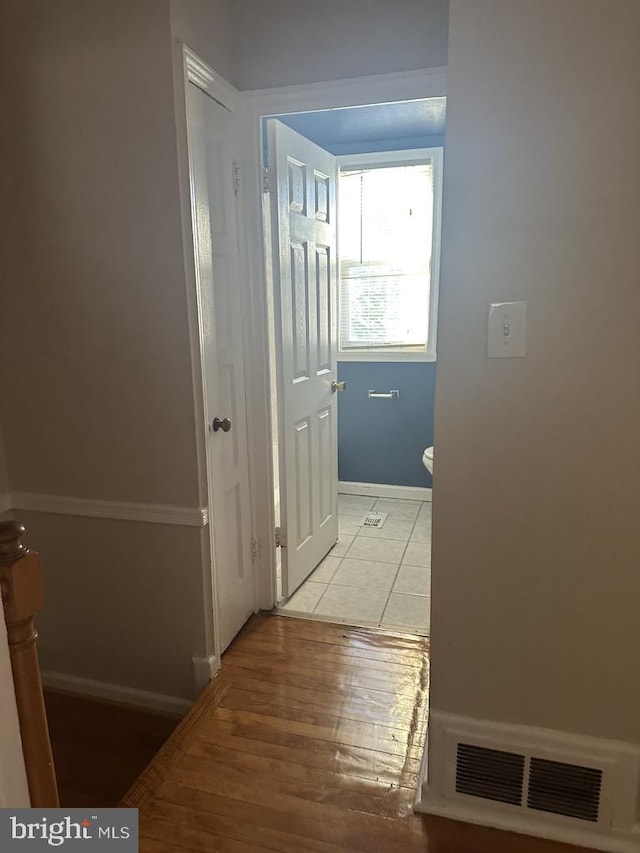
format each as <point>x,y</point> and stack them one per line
<point>385,243</point>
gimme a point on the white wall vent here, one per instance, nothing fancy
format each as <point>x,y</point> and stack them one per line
<point>568,787</point>
<point>551,786</point>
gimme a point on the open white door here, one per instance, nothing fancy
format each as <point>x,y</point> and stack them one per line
<point>303,210</point>
<point>213,201</point>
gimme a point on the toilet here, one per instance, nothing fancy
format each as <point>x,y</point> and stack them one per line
<point>427,459</point>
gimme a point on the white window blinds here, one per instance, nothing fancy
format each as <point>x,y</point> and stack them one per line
<point>385,241</point>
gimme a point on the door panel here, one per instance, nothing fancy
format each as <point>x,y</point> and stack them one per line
<point>303,234</point>
<point>219,307</point>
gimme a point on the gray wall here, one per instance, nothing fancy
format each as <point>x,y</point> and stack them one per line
<point>536,504</point>
<point>206,27</point>
<point>4,474</point>
<point>285,42</point>
<point>98,400</point>
<point>382,441</point>
<point>93,314</point>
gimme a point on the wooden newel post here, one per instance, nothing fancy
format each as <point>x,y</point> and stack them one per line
<point>22,596</point>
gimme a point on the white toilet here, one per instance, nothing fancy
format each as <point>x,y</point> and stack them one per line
<point>427,459</point>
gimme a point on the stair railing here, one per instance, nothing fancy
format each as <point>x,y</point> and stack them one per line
<point>22,595</point>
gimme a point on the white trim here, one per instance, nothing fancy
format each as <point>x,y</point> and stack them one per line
<point>204,668</point>
<point>205,78</point>
<point>349,92</point>
<point>385,357</point>
<point>618,829</point>
<point>380,490</point>
<point>121,510</point>
<point>115,693</point>
<point>5,503</point>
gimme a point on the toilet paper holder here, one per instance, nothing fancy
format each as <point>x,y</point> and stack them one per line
<point>383,395</point>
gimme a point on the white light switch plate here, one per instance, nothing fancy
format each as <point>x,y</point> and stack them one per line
<point>507,325</point>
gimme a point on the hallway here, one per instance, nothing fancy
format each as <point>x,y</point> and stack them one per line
<point>308,741</point>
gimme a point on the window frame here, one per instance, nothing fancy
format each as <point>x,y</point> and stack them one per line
<point>379,160</point>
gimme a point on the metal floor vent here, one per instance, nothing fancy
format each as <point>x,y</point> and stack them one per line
<point>565,789</point>
<point>374,519</point>
<point>490,773</point>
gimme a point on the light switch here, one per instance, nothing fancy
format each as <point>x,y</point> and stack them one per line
<point>507,323</point>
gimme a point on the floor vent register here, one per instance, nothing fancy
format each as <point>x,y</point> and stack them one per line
<point>374,519</point>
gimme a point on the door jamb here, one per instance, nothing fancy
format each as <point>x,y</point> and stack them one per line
<point>254,105</point>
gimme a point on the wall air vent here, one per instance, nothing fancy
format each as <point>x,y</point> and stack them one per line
<point>546,782</point>
<point>565,789</point>
<point>489,773</point>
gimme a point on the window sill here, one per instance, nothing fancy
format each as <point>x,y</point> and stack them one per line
<point>387,356</point>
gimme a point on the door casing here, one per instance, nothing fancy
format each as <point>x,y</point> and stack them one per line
<point>256,105</point>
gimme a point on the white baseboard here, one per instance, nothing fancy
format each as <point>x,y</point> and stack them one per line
<point>618,827</point>
<point>204,668</point>
<point>115,693</point>
<point>380,490</point>
<point>119,510</point>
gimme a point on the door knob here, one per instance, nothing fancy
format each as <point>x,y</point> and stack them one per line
<point>224,424</point>
<point>338,386</point>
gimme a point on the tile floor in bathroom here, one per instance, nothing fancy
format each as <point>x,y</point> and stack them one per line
<point>372,576</point>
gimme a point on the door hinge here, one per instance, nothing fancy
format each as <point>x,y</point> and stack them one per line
<point>236,178</point>
<point>281,541</point>
<point>255,549</point>
<point>266,181</point>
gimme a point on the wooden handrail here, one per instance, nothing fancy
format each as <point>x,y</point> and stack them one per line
<point>22,596</point>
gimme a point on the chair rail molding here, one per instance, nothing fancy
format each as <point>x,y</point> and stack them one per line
<point>119,510</point>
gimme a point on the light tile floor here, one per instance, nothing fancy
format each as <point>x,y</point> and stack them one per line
<point>372,576</point>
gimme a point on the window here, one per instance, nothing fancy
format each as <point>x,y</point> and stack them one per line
<point>388,221</point>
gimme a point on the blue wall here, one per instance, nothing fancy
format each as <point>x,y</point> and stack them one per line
<point>382,441</point>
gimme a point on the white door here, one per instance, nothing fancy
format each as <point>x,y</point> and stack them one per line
<point>303,210</point>
<point>213,201</point>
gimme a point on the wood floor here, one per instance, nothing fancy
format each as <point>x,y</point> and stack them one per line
<point>308,741</point>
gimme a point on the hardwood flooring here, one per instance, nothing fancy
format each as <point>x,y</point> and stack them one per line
<point>101,748</point>
<point>308,741</point>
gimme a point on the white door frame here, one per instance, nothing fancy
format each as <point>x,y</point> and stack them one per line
<point>189,69</point>
<point>250,107</point>
<point>254,105</point>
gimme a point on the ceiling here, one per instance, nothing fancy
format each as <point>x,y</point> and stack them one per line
<point>337,129</point>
